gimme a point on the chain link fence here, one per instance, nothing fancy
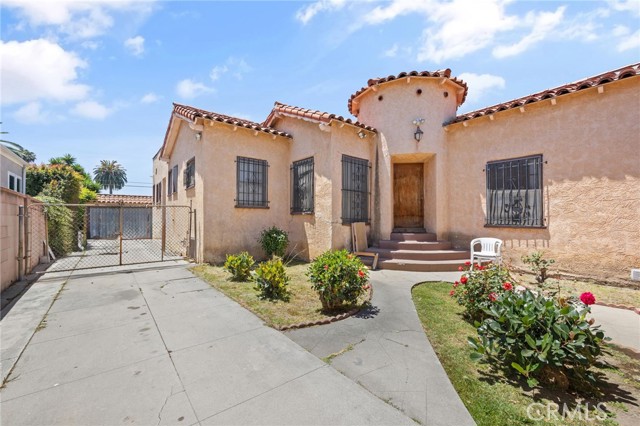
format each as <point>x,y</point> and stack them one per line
<point>82,236</point>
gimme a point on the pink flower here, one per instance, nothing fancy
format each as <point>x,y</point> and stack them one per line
<point>464,279</point>
<point>493,297</point>
<point>366,286</point>
<point>507,286</point>
<point>587,298</point>
<point>520,289</point>
<point>456,284</point>
<point>452,292</point>
<point>467,263</point>
<point>460,268</point>
<point>361,273</point>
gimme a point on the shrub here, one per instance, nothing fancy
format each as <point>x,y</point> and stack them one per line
<point>271,280</point>
<point>338,277</point>
<point>542,338</point>
<point>274,241</point>
<point>239,266</point>
<point>538,265</point>
<point>61,233</point>
<point>67,181</point>
<point>478,287</point>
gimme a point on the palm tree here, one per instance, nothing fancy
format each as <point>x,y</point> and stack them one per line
<point>21,152</point>
<point>110,175</point>
<point>66,159</point>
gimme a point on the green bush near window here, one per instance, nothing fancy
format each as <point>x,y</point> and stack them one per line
<point>274,241</point>
<point>239,266</point>
<point>546,339</point>
<point>271,280</point>
<point>338,277</point>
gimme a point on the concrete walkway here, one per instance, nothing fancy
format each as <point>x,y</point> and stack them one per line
<point>622,325</point>
<point>157,345</point>
<point>385,350</point>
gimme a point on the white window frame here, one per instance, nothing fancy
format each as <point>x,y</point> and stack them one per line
<point>16,179</point>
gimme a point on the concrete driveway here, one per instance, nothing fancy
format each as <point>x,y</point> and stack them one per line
<point>156,345</point>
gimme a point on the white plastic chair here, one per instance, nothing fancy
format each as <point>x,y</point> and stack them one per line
<point>490,250</point>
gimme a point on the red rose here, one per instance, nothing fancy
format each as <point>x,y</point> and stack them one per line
<point>507,286</point>
<point>480,267</point>
<point>493,297</point>
<point>467,263</point>
<point>460,268</point>
<point>587,298</point>
<point>464,279</point>
<point>361,273</point>
<point>456,284</point>
<point>452,292</point>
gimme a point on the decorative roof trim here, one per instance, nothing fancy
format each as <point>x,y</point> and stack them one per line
<point>374,82</point>
<point>192,114</point>
<point>587,83</point>
<point>124,199</point>
<point>280,109</point>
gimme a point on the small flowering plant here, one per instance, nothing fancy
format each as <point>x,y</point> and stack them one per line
<point>339,278</point>
<point>479,288</point>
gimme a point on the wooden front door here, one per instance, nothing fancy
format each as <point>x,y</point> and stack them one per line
<point>408,199</point>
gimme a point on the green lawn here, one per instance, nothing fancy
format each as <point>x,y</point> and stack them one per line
<point>303,306</point>
<point>494,397</point>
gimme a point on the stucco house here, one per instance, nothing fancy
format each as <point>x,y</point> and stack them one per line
<point>14,170</point>
<point>557,170</point>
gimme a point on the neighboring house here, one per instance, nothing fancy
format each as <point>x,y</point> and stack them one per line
<point>557,170</point>
<point>13,170</point>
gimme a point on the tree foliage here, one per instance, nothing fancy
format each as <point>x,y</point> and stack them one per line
<point>59,181</point>
<point>110,175</point>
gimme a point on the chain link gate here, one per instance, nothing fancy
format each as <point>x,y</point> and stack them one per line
<point>83,236</point>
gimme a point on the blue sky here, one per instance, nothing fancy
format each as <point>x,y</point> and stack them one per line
<point>96,79</point>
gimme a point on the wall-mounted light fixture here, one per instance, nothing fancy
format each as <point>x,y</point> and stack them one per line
<point>362,134</point>
<point>417,135</point>
<point>198,136</point>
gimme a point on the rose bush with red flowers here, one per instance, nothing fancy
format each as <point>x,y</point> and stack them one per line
<point>475,289</point>
<point>507,286</point>
<point>338,277</point>
<point>587,298</point>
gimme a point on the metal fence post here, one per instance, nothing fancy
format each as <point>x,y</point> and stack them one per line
<point>20,242</point>
<point>121,218</point>
<point>164,231</point>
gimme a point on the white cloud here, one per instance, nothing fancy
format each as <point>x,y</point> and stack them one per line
<point>90,44</point>
<point>392,51</point>
<point>630,42</point>
<point>237,67</point>
<point>189,89</point>
<point>620,30</point>
<point>307,13</point>
<point>150,98</point>
<point>78,19</point>
<point>39,69</point>
<point>218,71</point>
<point>32,113</point>
<point>632,6</point>
<point>480,84</point>
<point>91,109</point>
<point>542,25</point>
<point>135,45</point>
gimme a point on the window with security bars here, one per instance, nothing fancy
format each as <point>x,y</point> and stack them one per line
<point>251,182</point>
<point>190,174</point>
<point>302,186</point>
<point>355,189</point>
<point>514,192</point>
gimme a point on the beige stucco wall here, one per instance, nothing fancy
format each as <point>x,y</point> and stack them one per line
<point>591,178</point>
<point>10,201</point>
<point>393,117</point>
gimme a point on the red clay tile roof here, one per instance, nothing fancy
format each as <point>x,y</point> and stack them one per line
<point>192,113</point>
<point>598,80</point>
<point>124,199</point>
<point>309,114</point>
<point>377,81</point>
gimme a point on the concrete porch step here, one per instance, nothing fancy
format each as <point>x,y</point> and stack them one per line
<point>420,254</point>
<point>421,265</point>
<point>409,230</point>
<point>414,245</point>
<point>413,236</point>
